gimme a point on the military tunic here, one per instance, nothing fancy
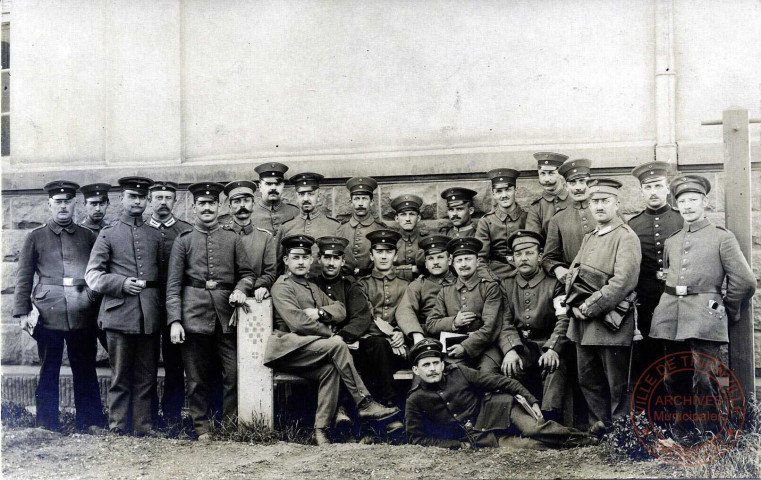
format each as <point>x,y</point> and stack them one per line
<point>271,217</point>
<point>461,407</point>
<point>602,356</point>
<point>451,231</point>
<point>198,256</point>
<point>409,253</point>
<point>493,230</point>
<point>476,295</point>
<point>531,326</point>
<point>358,252</point>
<point>701,256</point>
<point>418,301</point>
<point>345,289</point>
<point>565,232</point>
<point>384,291</point>
<point>544,208</point>
<point>68,313</point>
<point>315,224</point>
<point>95,227</point>
<point>261,251</point>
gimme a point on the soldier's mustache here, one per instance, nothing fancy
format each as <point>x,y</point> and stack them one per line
<point>207,211</point>
<point>243,210</point>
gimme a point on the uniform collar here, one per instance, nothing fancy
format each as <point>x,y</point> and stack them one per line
<point>695,226</point>
<point>472,282</point>
<point>514,212</point>
<point>300,280</point>
<point>390,275</point>
<point>531,282</point>
<point>331,281</point>
<point>245,229</point>
<point>366,222</point>
<point>581,205</point>
<point>203,228</point>
<point>550,197</point>
<point>612,225</point>
<point>438,386</point>
<point>156,224</point>
<point>274,207</point>
<point>91,225</point>
<point>410,236</point>
<point>57,228</point>
<point>466,228</point>
<point>312,215</point>
<point>136,221</point>
<point>446,279</point>
<point>659,211</point>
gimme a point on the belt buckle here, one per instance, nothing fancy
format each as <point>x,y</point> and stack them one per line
<point>68,282</point>
<point>526,333</point>
<point>681,290</point>
<point>211,284</point>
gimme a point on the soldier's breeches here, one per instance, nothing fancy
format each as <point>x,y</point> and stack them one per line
<point>134,360</point>
<point>603,374</point>
<point>696,384</point>
<point>377,363</point>
<point>197,352</point>
<point>547,432</point>
<point>552,387</point>
<point>81,345</point>
<point>174,380</point>
<point>335,350</point>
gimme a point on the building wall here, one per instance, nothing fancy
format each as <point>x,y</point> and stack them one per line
<point>420,95</point>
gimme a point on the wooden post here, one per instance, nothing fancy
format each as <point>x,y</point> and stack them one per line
<point>739,221</point>
<point>255,381</point>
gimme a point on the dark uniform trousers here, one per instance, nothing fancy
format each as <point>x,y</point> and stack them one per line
<point>603,373</point>
<point>551,384</point>
<point>82,347</point>
<point>134,359</point>
<point>197,354</point>
<point>377,363</point>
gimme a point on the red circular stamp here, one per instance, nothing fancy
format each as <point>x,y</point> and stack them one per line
<point>688,408</point>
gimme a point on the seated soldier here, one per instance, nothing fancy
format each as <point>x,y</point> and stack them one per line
<point>533,332</point>
<point>382,349</point>
<point>470,306</point>
<point>420,295</point>
<point>304,344</point>
<point>455,406</point>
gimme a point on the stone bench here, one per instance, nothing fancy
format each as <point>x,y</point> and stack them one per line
<point>256,383</point>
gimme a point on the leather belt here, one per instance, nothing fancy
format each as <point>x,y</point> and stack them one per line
<point>207,284</point>
<point>63,281</point>
<point>683,290</point>
<point>151,284</point>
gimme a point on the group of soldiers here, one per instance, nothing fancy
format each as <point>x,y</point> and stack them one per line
<point>498,318</point>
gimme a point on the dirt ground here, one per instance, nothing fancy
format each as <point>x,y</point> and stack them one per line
<point>30,453</point>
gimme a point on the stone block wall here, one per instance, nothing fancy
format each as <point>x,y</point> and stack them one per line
<point>24,210</point>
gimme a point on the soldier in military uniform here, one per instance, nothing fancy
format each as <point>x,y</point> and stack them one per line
<point>566,229</point>
<point>471,306</point>
<point>533,336</point>
<point>383,348</point>
<point>653,226</point>
<point>58,252</point>
<point>420,295</point>
<point>361,223</point>
<point>554,198</point>
<point>609,262</point>
<point>692,315</point>
<point>163,196</point>
<point>503,220</point>
<point>209,275</point>
<point>96,205</point>
<point>459,211</point>
<point>304,343</point>
<point>311,220</point>
<point>454,407</point>
<point>125,267</point>
<point>410,260</point>
<point>259,243</point>
<point>270,211</point>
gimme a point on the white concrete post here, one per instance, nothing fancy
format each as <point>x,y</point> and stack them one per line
<point>255,381</point>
